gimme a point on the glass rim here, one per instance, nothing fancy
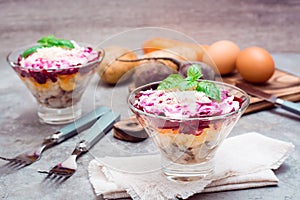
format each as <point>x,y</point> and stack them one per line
<point>11,61</point>
<point>241,110</point>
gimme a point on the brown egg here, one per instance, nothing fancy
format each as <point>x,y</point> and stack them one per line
<point>222,55</point>
<point>255,65</point>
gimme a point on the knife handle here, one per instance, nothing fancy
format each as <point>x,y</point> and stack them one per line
<point>290,106</point>
<point>79,125</point>
<point>101,127</point>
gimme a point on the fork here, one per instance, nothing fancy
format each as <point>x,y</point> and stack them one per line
<point>61,135</point>
<point>101,127</point>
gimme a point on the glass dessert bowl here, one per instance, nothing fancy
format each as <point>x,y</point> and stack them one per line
<point>57,77</point>
<point>187,126</point>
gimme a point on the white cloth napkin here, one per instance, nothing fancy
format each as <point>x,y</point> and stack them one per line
<point>243,161</point>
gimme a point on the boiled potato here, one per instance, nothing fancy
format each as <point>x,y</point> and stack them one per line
<point>179,53</point>
<point>112,71</point>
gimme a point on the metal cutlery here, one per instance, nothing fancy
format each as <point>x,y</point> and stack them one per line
<point>61,135</point>
<point>101,127</point>
<point>284,104</point>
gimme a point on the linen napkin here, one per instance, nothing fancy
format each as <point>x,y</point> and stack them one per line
<point>243,161</point>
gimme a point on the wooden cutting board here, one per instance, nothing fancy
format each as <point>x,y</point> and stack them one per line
<point>282,84</point>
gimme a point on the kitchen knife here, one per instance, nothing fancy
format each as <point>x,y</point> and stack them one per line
<point>79,125</point>
<point>101,127</point>
<point>284,104</point>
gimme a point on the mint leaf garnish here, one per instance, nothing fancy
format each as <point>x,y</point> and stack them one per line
<point>30,50</point>
<point>53,41</point>
<point>194,73</point>
<point>210,89</point>
<point>48,41</point>
<point>66,43</point>
<point>172,81</point>
<point>176,81</point>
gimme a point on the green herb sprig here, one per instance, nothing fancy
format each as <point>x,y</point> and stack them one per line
<point>176,81</point>
<point>48,41</point>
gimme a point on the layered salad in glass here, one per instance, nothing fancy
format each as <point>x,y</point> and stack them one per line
<point>188,119</point>
<point>54,68</point>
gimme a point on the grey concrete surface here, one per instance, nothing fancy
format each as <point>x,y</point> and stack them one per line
<point>271,24</point>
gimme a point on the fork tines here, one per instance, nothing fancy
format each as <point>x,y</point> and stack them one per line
<point>17,162</point>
